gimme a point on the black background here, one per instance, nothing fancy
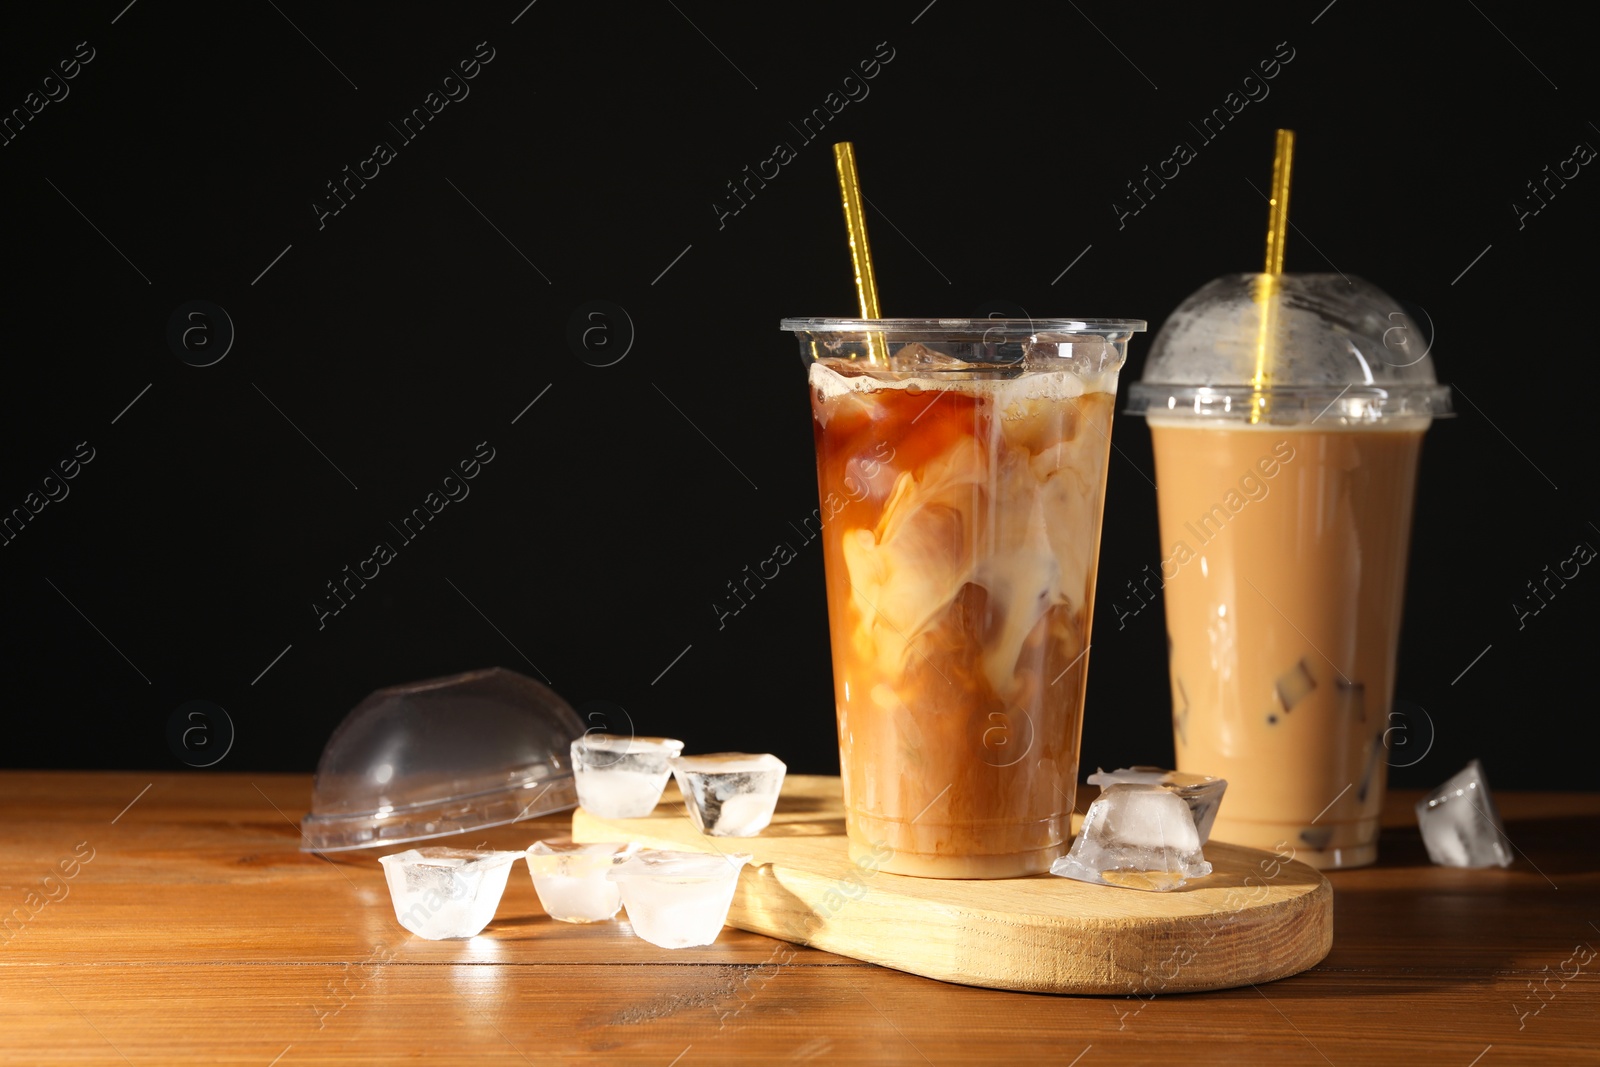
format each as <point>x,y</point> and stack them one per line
<point>584,165</point>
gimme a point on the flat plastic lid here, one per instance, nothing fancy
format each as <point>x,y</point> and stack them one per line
<point>441,757</point>
<point>1339,351</point>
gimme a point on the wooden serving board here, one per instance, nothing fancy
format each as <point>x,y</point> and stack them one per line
<point>1255,918</point>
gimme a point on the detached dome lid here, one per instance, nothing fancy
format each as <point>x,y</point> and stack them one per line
<point>441,757</point>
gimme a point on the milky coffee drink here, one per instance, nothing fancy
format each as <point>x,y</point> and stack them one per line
<point>961,473</point>
<point>1285,514</point>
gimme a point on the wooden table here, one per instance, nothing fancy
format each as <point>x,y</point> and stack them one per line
<point>171,918</point>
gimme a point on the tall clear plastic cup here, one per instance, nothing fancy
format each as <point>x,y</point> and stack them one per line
<point>1287,416</point>
<point>961,470</point>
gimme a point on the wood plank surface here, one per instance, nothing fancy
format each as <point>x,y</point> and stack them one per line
<point>198,933</point>
<point>1253,919</point>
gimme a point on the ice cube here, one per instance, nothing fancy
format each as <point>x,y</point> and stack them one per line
<point>622,777</point>
<point>730,794</point>
<point>617,794</point>
<point>916,357</point>
<point>1294,685</point>
<point>441,893</point>
<point>678,899</point>
<point>571,878</point>
<point>1082,355</point>
<point>1201,792</point>
<point>1460,823</point>
<point>1137,836</point>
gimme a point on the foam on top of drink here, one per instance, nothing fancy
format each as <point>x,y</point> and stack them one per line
<point>1036,384</point>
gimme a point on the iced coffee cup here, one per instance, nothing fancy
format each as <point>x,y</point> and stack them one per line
<point>961,471</point>
<point>1287,416</point>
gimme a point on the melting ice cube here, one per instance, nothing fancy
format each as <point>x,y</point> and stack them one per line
<point>622,777</point>
<point>441,893</point>
<point>730,794</point>
<point>917,357</point>
<point>1082,355</point>
<point>1138,836</point>
<point>1201,792</point>
<point>1294,685</point>
<point>571,878</point>
<point>1460,823</point>
<point>678,899</point>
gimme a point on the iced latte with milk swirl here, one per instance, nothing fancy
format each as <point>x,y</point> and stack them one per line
<point>961,505</point>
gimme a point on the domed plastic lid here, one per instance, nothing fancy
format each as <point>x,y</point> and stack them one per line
<point>442,757</point>
<point>1336,350</point>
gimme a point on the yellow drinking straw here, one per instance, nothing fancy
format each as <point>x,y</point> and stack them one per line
<point>1278,219</point>
<point>855,220</point>
<point>1267,284</point>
